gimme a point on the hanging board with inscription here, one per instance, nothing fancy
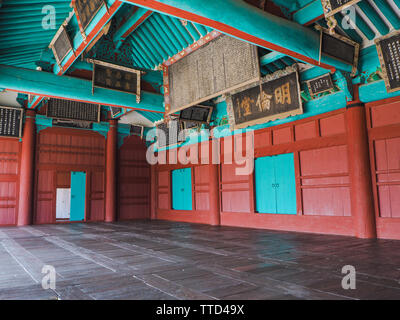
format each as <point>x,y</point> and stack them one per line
<point>388,48</point>
<point>220,66</point>
<point>340,48</point>
<point>114,77</point>
<point>276,96</point>
<point>137,130</point>
<point>196,114</point>
<point>61,44</point>
<point>332,7</point>
<point>168,133</point>
<point>85,10</point>
<point>320,85</point>
<point>11,122</point>
<point>73,110</point>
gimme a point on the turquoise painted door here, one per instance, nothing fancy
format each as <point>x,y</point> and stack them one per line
<point>265,181</point>
<point>275,184</point>
<point>285,184</point>
<point>78,196</point>
<point>182,189</point>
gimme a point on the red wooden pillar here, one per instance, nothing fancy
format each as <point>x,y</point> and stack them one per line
<point>215,218</point>
<point>362,203</point>
<point>25,203</point>
<point>153,194</point>
<point>111,172</point>
<point>215,215</point>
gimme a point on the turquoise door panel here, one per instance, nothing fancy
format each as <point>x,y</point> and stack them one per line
<point>78,196</point>
<point>286,184</point>
<point>275,184</point>
<point>265,185</point>
<point>182,189</point>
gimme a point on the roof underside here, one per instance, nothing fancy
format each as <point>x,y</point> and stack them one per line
<point>25,34</point>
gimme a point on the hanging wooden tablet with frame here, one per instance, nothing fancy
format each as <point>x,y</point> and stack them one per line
<point>196,114</point>
<point>320,85</point>
<point>332,7</point>
<point>85,11</point>
<point>11,122</point>
<point>137,130</point>
<point>170,136</point>
<point>117,78</point>
<point>216,65</point>
<point>73,110</point>
<point>388,48</point>
<point>340,48</point>
<point>276,96</point>
<point>61,44</point>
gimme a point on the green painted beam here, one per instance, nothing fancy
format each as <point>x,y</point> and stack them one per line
<point>250,24</point>
<point>50,85</point>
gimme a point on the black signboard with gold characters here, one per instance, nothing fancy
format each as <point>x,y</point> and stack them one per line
<point>277,96</point>
<point>114,77</point>
<point>11,122</point>
<point>332,7</point>
<point>388,48</point>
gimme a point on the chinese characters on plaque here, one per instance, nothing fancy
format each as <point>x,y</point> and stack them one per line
<point>11,122</point>
<point>114,77</point>
<point>276,97</point>
<point>388,48</point>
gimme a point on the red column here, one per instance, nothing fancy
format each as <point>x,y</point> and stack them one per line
<point>153,193</point>
<point>25,203</point>
<point>215,216</point>
<point>111,172</point>
<point>362,203</point>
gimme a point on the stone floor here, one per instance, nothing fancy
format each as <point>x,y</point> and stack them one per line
<point>166,260</point>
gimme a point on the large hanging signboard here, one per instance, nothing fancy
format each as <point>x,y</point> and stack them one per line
<point>114,77</point>
<point>276,96</point>
<point>320,85</point>
<point>388,48</point>
<point>11,122</point>
<point>61,44</point>
<point>340,48</point>
<point>332,7</point>
<point>85,11</point>
<point>215,65</point>
<point>73,110</point>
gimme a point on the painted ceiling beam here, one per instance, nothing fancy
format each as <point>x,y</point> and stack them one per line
<point>310,13</point>
<point>250,24</point>
<point>134,22</point>
<point>99,21</point>
<point>46,84</point>
<point>271,57</point>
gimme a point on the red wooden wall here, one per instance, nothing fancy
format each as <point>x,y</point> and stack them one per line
<point>322,180</point>
<point>10,150</point>
<point>383,119</point>
<point>134,180</point>
<point>60,151</point>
